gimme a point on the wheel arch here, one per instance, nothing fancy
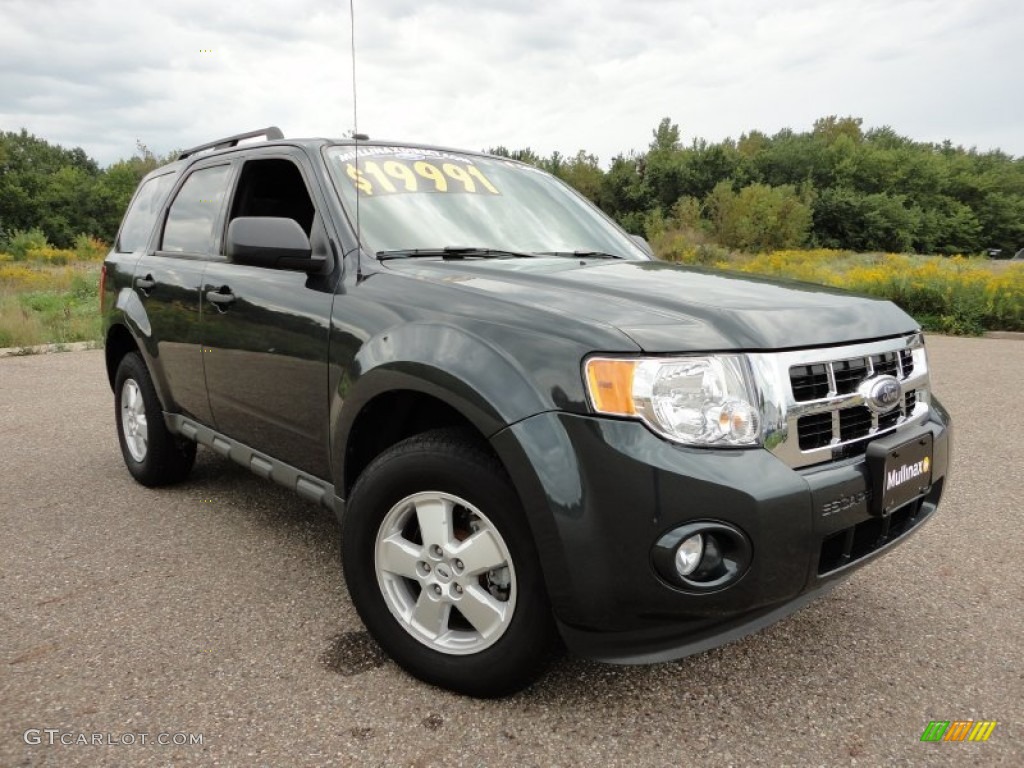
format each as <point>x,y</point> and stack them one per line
<point>467,381</point>
<point>461,378</point>
<point>384,411</point>
<point>118,343</point>
<point>391,416</point>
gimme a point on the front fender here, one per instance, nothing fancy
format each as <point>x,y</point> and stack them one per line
<point>466,371</point>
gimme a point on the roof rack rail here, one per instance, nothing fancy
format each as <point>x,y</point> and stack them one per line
<point>272,133</point>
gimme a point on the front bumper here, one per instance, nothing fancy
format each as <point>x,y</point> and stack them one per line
<point>600,492</point>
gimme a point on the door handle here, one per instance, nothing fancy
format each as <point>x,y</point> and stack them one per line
<point>145,284</point>
<point>222,297</point>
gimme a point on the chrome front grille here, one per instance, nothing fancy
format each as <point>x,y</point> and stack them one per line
<point>841,377</point>
<point>817,430</point>
<point>814,407</point>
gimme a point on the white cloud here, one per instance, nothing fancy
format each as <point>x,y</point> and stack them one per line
<point>562,74</point>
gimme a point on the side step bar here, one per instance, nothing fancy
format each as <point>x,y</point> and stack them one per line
<point>308,487</point>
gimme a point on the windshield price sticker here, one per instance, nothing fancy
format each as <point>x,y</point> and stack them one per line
<point>398,175</point>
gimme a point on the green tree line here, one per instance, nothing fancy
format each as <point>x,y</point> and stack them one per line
<point>837,186</point>
<point>64,192</point>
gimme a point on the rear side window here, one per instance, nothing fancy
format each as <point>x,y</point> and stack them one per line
<point>194,211</point>
<point>138,222</point>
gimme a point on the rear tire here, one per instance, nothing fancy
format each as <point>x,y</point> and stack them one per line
<point>442,569</point>
<point>152,454</point>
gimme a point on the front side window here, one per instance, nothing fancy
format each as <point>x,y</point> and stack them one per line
<point>273,187</point>
<point>141,216</point>
<point>194,212</point>
<point>422,198</point>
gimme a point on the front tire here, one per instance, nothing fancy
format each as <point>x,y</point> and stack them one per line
<point>442,569</point>
<point>152,454</point>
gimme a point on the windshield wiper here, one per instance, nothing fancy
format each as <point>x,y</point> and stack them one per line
<point>453,252</point>
<point>581,254</point>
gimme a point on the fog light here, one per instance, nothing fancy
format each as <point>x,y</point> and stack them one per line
<point>689,554</point>
<point>711,563</point>
<point>702,555</point>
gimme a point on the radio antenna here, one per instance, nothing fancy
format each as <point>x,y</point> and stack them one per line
<point>356,137</point>
<point>355,111</point>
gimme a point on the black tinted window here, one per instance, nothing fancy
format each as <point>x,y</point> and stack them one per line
<point>138,222</point>
<point>273,187</point>
<point>194,211</point>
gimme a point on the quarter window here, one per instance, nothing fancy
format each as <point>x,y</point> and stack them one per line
<point>195,210</point>
<point>141,216</point>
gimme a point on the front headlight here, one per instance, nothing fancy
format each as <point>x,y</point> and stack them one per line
<point>707,400</point>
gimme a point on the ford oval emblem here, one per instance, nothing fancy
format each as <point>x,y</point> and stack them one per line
<point>882,393</point>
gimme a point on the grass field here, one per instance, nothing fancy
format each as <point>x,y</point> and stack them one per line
<point>954,295</point>
<point>949,295</point>
<point>49,295</point>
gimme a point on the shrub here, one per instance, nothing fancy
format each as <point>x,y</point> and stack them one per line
<point>17,277</point>
<point>954,295</point>
<point>84,287</point>
<point>676,245</point>
<point>21,241</point>
<point>684,236</point>
<point>50,255</point>
<point>1004,299</point>
<point>88,248</point>
<point>758,217</point>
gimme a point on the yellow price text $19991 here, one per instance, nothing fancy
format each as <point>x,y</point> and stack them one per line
<point>394,176</point>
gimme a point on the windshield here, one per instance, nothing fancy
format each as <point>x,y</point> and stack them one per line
<point>431,199</point>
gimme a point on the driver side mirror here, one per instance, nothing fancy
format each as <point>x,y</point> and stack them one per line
<point>271,242</point>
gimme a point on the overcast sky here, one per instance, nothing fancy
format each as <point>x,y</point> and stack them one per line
<point>548,74</point>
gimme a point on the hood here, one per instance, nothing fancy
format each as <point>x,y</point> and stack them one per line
<point>670,308</point>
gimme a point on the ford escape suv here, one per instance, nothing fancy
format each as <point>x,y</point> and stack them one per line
<point>532,432</point>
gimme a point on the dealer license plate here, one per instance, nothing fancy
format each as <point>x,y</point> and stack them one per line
<point>899,474</point>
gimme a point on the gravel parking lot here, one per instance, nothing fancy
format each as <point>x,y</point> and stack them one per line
<point>216,611</point>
